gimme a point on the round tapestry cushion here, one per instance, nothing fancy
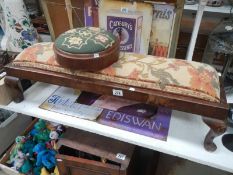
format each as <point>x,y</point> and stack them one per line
<point>85,40</point>
<point>87,48</point>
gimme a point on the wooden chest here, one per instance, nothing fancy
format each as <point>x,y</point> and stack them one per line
<point>83,153</point>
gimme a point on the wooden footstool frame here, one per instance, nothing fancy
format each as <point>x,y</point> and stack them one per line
<point>213,114</point>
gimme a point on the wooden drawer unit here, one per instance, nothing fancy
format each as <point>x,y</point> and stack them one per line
<point>83,153</point>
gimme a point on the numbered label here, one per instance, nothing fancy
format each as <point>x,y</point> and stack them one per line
<point>116,92</point>
<point>96,55</point>
<point>2,74</point>
<point>120,156</point>
<point>228,28</point>
<point>124,10</point>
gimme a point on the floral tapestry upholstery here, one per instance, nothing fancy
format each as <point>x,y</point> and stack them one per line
<point>85,40</point>
<point>169,75</point>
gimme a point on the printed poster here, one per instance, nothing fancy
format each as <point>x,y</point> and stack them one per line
<point>136,14</point>
<point>161,30</point>
<point>113,111</point>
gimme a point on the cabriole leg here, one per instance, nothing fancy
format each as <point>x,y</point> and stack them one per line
<point>217,128</point>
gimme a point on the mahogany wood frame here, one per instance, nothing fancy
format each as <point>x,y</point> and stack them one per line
<point>87,62</point>
<point>214,114</point>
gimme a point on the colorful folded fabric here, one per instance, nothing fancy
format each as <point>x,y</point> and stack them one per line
<point>176,76</point>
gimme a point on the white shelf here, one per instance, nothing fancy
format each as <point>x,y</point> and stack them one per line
<point>223,9</point>
<point>230,98</point>
<point>185,139</point>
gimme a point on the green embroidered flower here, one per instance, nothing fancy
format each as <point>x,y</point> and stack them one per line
<point>85,40</point>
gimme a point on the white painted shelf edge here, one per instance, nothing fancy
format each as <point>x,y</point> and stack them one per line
<point>185,139</point>
<point>223,9</point>
<point>230,98</point>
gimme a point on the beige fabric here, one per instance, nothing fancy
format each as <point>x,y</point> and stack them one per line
<point>170,75</point>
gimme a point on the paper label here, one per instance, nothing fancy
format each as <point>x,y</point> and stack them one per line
<point>2,75</point>
<point>116,92</point>
<point>120,156</point>
<point>124,10</point>
<point>228,28</point>
<point>96,55</point>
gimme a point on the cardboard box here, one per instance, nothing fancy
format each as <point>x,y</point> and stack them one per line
<point>129,10</point>
<point>127,26</point>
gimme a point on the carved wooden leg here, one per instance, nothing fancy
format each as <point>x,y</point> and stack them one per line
<point>217,127</point>
<point>16,90</point>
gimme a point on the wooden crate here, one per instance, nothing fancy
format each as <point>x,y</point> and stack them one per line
<point>95,155</point>
<point>10,128</point>
<point>6,156</point>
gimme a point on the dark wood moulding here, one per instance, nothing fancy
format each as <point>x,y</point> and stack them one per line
<point>88,62</point>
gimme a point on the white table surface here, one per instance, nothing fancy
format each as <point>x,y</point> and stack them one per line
<point>185,139</point>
